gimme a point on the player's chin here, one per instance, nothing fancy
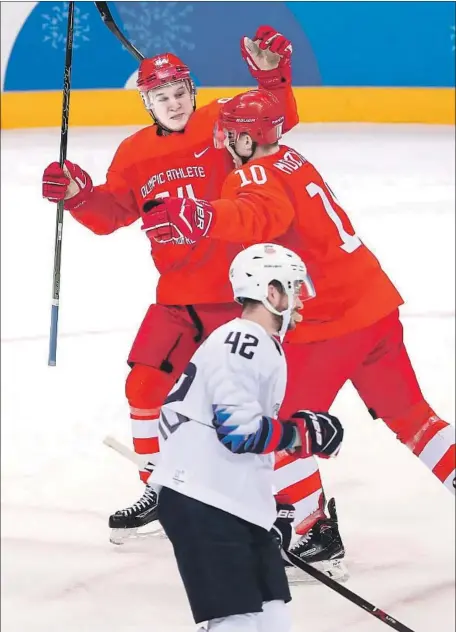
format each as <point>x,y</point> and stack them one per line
<point>296,318</point>
<point>178,122</point>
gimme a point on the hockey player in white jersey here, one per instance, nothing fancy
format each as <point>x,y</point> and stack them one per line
<point>219,433</point>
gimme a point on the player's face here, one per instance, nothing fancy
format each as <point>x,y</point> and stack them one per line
<point>172,105</point>
<point>296,317</point>
<point>279,300</point>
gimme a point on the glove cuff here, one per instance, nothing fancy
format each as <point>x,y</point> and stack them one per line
<point>272,79</point>
<point>288,438</point>
<point>282,499</point>
<point>73,203</point>
<point>302,451</point>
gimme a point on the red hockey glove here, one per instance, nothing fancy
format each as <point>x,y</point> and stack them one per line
<point>268,57</point>
<point>319,434</point>
<point>71,184</point>
<point>180,220</point>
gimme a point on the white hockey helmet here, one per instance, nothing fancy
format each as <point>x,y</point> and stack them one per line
<point>254,268</point>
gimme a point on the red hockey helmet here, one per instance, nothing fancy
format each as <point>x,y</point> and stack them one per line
<point>162,70</point>
<point>257,113</point>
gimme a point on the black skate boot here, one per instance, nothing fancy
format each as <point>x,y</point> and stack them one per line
<point>321,547</point>
<point>124,524</point>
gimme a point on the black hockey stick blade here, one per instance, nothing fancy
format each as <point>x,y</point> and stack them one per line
<point>107,18</point>
<point>294,560</point>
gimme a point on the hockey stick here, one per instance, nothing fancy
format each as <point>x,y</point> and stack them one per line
<point>294,560</point>
<point>59,217</point>
<point>126,452</point>
<point>107,18</point>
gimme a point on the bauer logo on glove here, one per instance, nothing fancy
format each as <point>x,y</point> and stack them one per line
<point>177,220</point>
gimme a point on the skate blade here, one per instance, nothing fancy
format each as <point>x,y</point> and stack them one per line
<point>335,569</point>
<point>152,530</point>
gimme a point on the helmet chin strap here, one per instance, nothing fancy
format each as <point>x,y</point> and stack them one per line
<point>245,159</point>
<point>239,160</point>
<point>285,316</point>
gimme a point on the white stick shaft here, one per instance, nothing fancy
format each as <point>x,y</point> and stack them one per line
<point>126,452</point>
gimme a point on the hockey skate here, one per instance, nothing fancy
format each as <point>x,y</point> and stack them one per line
<point>125,523</point>
<point>321,547</point>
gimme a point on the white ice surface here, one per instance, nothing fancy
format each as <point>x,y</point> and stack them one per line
<point>59,483</point>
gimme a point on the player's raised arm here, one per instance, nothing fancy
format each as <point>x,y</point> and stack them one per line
<point>268,57</point>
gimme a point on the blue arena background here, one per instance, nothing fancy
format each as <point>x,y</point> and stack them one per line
<point>394,44</point>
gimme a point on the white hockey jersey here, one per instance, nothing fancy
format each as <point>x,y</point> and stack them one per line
<point>242,369</point>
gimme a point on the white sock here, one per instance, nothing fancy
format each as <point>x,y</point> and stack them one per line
<point>276,617</point>
<point>236,623</point>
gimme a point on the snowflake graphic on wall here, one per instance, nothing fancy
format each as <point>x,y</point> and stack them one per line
<point>55,22</point>
<point>156,27</point>
<point>453,37</point>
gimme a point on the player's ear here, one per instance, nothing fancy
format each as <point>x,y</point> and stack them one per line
<point>273,294</point>
<point>248,142</point>
<point>245,142</point>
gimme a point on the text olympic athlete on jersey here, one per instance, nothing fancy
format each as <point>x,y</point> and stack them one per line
<point>218,436</point>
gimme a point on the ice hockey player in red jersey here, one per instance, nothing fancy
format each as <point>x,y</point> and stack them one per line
<point>351,330</point>
<point>173,157</point>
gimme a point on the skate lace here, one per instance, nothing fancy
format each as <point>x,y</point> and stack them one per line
<point>143,503</point>
<point>303,540</point>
